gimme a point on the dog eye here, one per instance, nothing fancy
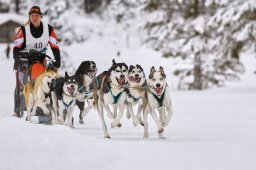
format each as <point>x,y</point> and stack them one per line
<point>139,71</point>
<point>124,71</point>
<point>49,76</point>
<point>153,79</point>
<point>133,71</point>
<point>117,71</point>
<point>161,79</point>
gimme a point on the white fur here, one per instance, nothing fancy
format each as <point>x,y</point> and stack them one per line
<point>137,91</point>
<point>153,105</point>
<point>106,99</point>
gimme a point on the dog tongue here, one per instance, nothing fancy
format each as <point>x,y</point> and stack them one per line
<point>92,74</point>
<point>158,90</point>
<point>121,82</point>
<point>137,80</point>
<point>71,90</point>
<point>131,78</point>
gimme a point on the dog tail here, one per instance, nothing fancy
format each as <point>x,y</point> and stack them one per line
<point>95,95</point>
<point>95,99</point>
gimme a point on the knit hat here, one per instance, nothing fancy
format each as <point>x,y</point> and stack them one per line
<point>35,10</point>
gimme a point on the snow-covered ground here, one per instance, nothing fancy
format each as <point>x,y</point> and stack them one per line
<point>210,130</point>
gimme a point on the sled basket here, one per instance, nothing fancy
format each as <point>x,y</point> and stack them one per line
<point>36,70</point>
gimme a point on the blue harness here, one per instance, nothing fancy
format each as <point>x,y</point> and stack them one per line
<point>67,105</point>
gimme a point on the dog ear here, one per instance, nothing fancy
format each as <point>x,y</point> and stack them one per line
<point>130,68</point>
<point>152,69</point>
<point>113,62</point>
<point>66,74</point>
<point>161,69</point>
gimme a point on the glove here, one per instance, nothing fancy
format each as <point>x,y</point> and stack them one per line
<point>56,64</point>
<point>34,57</point>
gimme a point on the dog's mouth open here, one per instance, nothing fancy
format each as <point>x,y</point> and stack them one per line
<point>158,90</point>
<point>92,73</point>
<point>135,79</point>
<point>121,81</point>
<point>71,90</point>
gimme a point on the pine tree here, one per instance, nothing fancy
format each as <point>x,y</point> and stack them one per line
<point>187,31</point>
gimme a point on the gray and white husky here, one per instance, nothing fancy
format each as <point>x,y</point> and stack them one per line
<point>136,93</point>
<point>111,90</point>
<point>64,98</point>
<point>158,98</point>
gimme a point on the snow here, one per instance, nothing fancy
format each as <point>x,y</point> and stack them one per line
<point>211,129</point>
<point>4,17</point>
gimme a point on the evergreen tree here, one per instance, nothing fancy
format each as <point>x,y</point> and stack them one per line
<point>207,50</point>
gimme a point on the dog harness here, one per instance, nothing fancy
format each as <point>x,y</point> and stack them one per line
<point>87,94</point>
<point>159,100</point>
<point>117,97</point>
<point>69,104</point>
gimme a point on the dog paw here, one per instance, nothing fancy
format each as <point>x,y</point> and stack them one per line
<point>61,121</point>
<point>146,136</point>
<point>119,125</point>
<point>81,121</point>
<point>162,137</point>
<point>113,124</point>
<point>69,125</point>
<point>107,136</point>
<point>136,122</point>
<point>142,123</point>
<point>54,122</point>
<point>160,130</point>
<point>164,124</point>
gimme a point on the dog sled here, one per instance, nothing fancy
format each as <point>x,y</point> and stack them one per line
<point>30,65</point>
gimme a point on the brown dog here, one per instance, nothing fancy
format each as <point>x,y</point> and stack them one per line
<point>37,93</point>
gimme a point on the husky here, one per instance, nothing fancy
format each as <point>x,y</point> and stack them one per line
<point>136,93</point>
<point>85,75</point>
<point>37,94</point>
<point>158,98</point>
<point>64,99</point>
<point>111,90</point>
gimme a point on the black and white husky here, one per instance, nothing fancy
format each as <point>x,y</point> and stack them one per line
<point>111,90</point>
<point>65,90</point>
<point>85,75</point>
<point>136,93</point>
<point>158,99</point>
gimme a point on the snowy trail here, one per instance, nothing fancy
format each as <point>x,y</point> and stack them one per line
<point>213,129</point>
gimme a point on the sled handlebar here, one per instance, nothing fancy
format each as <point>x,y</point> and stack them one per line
<point>26,57</point>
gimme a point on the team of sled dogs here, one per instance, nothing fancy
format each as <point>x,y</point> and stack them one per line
<point>120,86</point>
